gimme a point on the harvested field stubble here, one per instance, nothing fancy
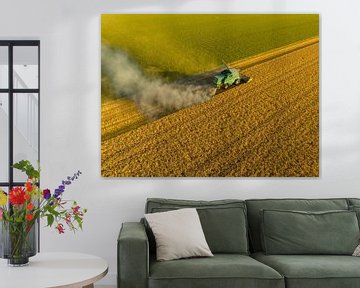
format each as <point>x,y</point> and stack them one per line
<point>119,116</point>
<point>268,127</point>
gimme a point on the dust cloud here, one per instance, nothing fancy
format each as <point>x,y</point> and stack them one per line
<point>154,97</point>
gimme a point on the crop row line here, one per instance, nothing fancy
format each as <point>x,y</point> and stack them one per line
<point>275,117</point>
<point>280,132</point>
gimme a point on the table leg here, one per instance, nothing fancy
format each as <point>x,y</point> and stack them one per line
<point>89,286</point>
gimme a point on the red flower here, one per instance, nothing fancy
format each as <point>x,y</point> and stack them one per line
<point>60,228</point>
<point>29,186</point>
<point>75,209</point>
<point>29,206</point>
<point>68,219</point>
<point>29,217</point>
<point>17,196</point>
<point>27,196</point>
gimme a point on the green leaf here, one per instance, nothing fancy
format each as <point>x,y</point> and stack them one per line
<point>53,211</point>
<point>26,167</point>
<point>79,221</point>
<point>50,219</point>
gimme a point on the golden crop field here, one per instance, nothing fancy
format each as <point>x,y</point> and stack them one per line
<point>119,116</point>
<point>268,127</point>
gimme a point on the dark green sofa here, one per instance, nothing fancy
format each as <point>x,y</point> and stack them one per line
<point>232,230</point>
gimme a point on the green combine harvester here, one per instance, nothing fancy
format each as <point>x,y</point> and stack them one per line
<point>229,77</point>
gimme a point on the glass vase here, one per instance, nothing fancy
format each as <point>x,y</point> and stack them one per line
<point>18,242</point>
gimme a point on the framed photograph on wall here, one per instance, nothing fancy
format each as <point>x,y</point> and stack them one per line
<point>210,95</point>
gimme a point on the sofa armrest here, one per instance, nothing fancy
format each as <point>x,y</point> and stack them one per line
<point>133,256</point>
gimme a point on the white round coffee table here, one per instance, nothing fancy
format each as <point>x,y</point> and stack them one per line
<point>45,270</point>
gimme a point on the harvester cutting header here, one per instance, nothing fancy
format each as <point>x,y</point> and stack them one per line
<point>229,77</point>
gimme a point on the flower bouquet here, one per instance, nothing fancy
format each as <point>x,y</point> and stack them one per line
<point>21,208</point>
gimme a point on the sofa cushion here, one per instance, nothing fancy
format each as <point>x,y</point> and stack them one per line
<point>354,205</point>
<point>178,234</point>
<point>313,271</point>
<point>222,270</point>
<point>356,209</point>
<point>254,207</point>
<point>297,232</point>
<point>223,221</point>
<point>353,201</point>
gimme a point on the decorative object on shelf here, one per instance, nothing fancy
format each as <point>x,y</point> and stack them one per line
<point>21,208</point>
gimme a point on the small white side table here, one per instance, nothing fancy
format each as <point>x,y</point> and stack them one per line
<point>50,270</point>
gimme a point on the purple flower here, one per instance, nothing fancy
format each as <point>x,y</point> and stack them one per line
<point>46,194</point>
<point>58,192</point>
<point>68,181</point>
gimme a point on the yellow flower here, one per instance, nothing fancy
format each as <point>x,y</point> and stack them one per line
<point>3,198</point>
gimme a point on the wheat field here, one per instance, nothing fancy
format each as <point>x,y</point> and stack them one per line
<point>176,45</point>
<point>268,127</point>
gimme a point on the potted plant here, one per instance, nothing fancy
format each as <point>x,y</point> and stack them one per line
<point>21,208</point>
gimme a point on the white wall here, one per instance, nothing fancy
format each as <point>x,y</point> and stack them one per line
<point>69,31</point>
